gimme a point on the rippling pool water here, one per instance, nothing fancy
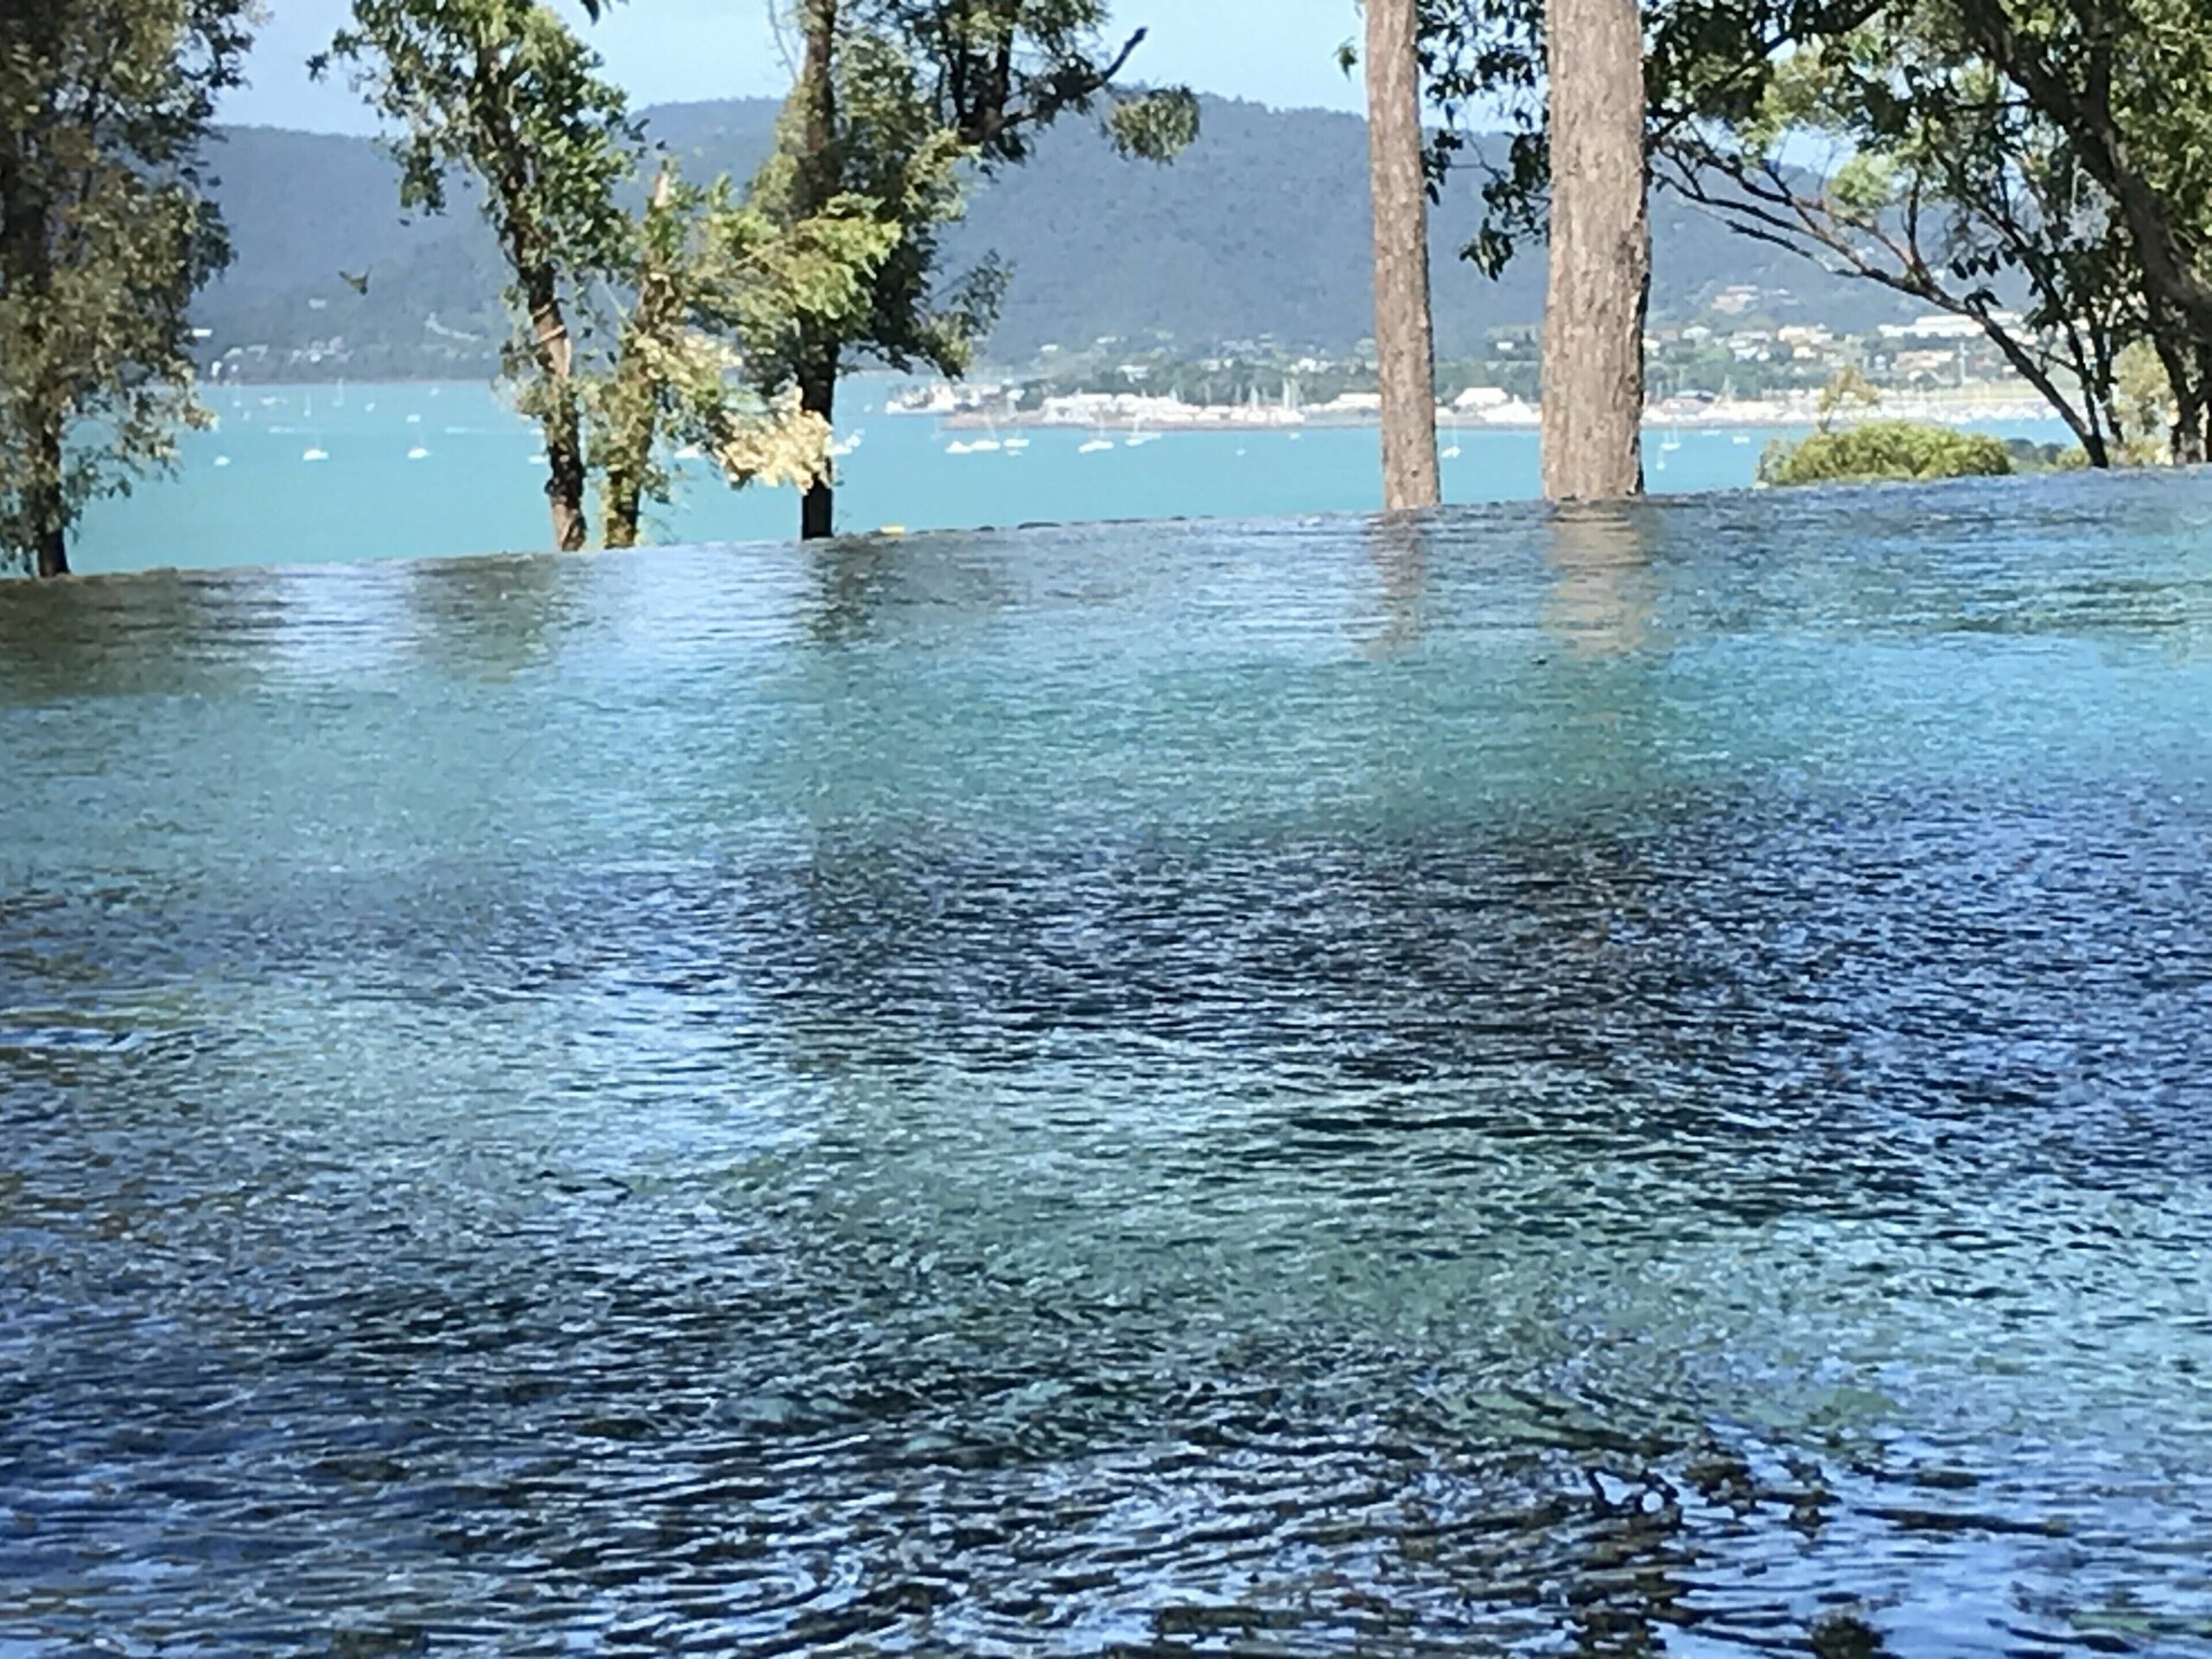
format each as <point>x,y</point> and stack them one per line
<point>1497,1086</point>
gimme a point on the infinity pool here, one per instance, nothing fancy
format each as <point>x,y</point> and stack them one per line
<point>1499,1085</point>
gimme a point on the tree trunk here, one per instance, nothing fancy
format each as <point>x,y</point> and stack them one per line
<point>2192,396</point>
<point>1405,340</point>
<point>564,483</point>
<point>564,449</point>
<point>2188,430</point>
<point>817,183</point>
<point>46,503</point>
<point>818,394</point>
<point>634,416</point>
<point>624,507</point>
<point>1600,280</point>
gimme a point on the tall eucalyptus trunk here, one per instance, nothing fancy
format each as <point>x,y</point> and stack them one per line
<point>1599,286</point>
<point>1404,341</point>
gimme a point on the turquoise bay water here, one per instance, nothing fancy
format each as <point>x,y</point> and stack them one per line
<point>475,489</point>
<point>1492,1085</point>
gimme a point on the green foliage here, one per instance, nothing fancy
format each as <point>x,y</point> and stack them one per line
<point>502,88</point>
<point>105,233</point>
<point>890,161</point>
<point>2054,155</point>
<point>899,101</point>
<point>1884,451</point>
<point>2028,457</point>
<point>629,329</point>
<point>708,271</point>
<point>2144,405</point>
<point>1849,388</point>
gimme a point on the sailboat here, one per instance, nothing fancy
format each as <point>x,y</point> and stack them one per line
<point>314,451</point>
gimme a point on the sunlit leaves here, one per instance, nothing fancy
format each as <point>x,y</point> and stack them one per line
<point>105,236</point>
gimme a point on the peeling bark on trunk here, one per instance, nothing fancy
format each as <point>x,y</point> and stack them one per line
<point>1405,341</point>
<point>1601,278</point>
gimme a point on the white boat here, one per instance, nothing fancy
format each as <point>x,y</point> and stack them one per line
<point>315,454</point>
<point>1452,451</point>
<point>1015,446</point>
<point>985,446</point>
<point>957,447</point>
<point>414,420</point>
<point>1095,446</point>
<point>1138,439</point>
<point>222,461</point>
<point>537,460</point>
<point>418,453</point>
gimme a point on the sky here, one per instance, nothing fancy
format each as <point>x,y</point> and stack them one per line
<point>1278,51</point>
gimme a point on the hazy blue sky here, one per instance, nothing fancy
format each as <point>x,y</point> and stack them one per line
<point>1281,52</point>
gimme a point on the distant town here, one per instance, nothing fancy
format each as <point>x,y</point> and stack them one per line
<point>1734,366</point>
<point>1737,364</point>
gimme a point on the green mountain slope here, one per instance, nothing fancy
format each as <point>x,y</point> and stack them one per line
<point>1259,231</point>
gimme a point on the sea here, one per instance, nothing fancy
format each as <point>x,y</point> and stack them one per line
<point>294,475</point>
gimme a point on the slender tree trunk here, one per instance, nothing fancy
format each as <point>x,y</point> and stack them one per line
<point>817,394</point>
<point>633,425</point>
<point>558,422</point>
<point>819,366</point>
<point>2192,396</point>
<point>2185,437</point>
<point>551,347</point>
<point>1600,280</point>
<point>626,503</point>
<point>48,509</point>
<point>1405,340</point>
<point>2081,422</point>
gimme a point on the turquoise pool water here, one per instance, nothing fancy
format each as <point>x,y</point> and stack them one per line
<point>1498,1085</point>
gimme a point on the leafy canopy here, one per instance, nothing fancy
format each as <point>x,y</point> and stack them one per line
<point>105,233</point>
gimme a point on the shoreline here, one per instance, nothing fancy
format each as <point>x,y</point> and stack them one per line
<point>1729,415</point>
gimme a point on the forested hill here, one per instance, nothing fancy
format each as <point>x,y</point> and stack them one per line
<point>1260,230</point>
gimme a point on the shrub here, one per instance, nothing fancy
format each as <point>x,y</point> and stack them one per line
<point>1882,450</point>
<point>2028,457</point>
